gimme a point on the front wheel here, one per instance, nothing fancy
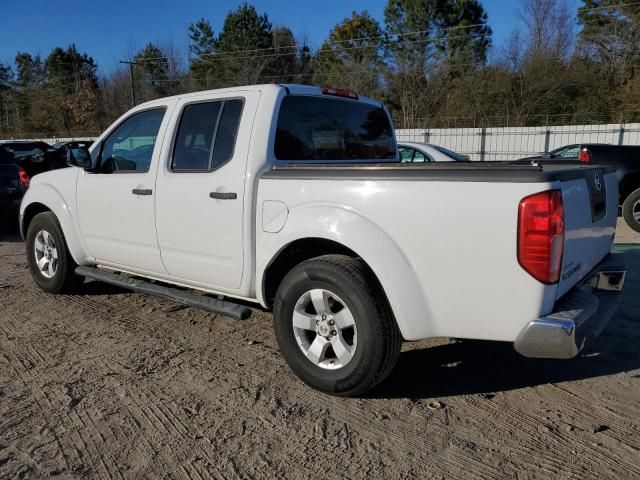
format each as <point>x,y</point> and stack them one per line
<point>334,326</point>
<point>631,210</point>
<point>50,262</point>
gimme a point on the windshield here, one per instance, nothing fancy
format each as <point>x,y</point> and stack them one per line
<point>318,128</point>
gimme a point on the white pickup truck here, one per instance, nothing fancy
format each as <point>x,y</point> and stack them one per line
<point>292,197</point>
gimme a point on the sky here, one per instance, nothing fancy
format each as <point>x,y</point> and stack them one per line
<point>111,30</point>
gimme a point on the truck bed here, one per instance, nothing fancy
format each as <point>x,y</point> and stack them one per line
<point>455,226</point>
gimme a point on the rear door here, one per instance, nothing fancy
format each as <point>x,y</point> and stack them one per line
<point>590,197</point>
<point>201,189</point>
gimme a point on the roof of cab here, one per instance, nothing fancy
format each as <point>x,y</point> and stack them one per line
<point>295,89</point>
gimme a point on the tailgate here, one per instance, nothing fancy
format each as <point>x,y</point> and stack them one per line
<point>590,198</point>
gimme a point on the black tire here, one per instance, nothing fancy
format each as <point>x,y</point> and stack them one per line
<point>378,337</point>
<point>64,280</point>
<point>628,207</point>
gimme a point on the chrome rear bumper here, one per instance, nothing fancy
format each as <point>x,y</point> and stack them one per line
<point>578,317</point>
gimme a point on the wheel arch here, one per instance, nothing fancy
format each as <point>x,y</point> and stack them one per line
<point>353,235</point>
<point>44,198</point>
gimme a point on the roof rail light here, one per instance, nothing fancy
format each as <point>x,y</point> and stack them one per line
<point>340,92</point>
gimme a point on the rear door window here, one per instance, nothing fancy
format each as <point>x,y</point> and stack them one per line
<point>206,135</point>
<point>317,128</point>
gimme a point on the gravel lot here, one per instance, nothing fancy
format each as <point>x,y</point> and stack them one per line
<point>110,384</point>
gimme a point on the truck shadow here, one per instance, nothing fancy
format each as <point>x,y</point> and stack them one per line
<point>469,367</point>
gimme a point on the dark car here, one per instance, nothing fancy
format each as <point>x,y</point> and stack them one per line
<point>34,157</point>
<point>626,159</point>
<point>14,181</point>
<point>19,162</point>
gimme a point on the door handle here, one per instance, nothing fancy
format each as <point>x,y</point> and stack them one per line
<point>142,191</point>
<point>223,195</point>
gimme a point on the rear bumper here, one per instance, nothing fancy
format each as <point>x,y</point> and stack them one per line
<point>578,317</point>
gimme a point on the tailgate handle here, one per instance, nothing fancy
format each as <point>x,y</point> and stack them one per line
<point>142,191</point>
<point>223,195</point>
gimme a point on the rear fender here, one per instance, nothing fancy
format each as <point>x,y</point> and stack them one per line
<point>368,241</point>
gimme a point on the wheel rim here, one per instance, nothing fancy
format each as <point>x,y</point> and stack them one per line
<point>636,211</point>
<point>46,254</point>
<point>325,329</point>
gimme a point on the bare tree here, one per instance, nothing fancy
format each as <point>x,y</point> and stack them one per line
<point>549,27</point>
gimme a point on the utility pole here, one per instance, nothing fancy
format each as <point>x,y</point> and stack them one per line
<point>133,89</point>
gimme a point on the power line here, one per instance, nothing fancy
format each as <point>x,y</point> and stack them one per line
<point>233,53</point>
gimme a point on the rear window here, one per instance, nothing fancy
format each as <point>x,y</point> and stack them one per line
<point>317,128</point>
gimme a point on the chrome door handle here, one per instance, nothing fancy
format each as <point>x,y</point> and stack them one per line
<point>142,191</point>
<point>223,195</point>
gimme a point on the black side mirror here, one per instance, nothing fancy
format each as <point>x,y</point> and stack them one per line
<point>79,157</point>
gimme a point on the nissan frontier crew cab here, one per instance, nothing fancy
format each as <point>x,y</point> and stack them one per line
<point>293,197</point>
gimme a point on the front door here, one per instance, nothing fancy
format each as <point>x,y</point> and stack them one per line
<point>116,208</point>
<point>201,189</point>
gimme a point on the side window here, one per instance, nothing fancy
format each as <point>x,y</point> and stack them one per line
<point>206,136</point>
<point>194,142</point>
<point>569,152</point>
<point>406,154</point>
<point>418,156</point>
<point>130,146</point>
<point>227,133</point>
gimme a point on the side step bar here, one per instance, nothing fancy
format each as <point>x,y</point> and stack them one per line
<point>214,305</point>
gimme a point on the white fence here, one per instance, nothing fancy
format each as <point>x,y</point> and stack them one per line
<point>504,143</point>
<point>517,142</point>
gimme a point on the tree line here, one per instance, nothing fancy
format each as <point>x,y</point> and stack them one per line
<point>432,62</point>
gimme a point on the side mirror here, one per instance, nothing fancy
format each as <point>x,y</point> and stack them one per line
<point>79,157</point>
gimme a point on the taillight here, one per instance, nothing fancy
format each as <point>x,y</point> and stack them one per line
<point>585,155</point>
<point>24,179</point>
<point>340,92</point>
<point>541,235</point>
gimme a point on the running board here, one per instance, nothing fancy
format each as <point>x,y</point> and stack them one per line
<point>214,305</point>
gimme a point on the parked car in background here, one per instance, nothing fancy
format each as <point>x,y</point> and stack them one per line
<point>34,157</point>
<point>413,152</point>
<point>288,196</point>
<point>625,158</point>
<point>14,182</point>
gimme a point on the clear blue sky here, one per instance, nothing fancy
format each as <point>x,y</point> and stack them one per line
<point>109,30</point>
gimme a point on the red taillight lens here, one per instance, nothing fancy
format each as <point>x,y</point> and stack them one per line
<point>585,155</point>
<point>340,92</point>
<point>541,235</point>
<point>24,179</point>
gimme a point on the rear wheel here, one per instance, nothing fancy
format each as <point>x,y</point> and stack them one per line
<point>50,262</point>
<point>631,210</point>
<point>334,326</point>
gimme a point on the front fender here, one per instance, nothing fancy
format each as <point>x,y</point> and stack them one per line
<point>51,196</point>
<point>358,233</point>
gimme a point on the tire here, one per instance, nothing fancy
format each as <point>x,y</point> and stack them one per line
<point>58,274</point>
<point>364,354</point>
<point>631,207</point>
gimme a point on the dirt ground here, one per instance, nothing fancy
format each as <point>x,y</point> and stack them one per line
<point>114,385</point>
